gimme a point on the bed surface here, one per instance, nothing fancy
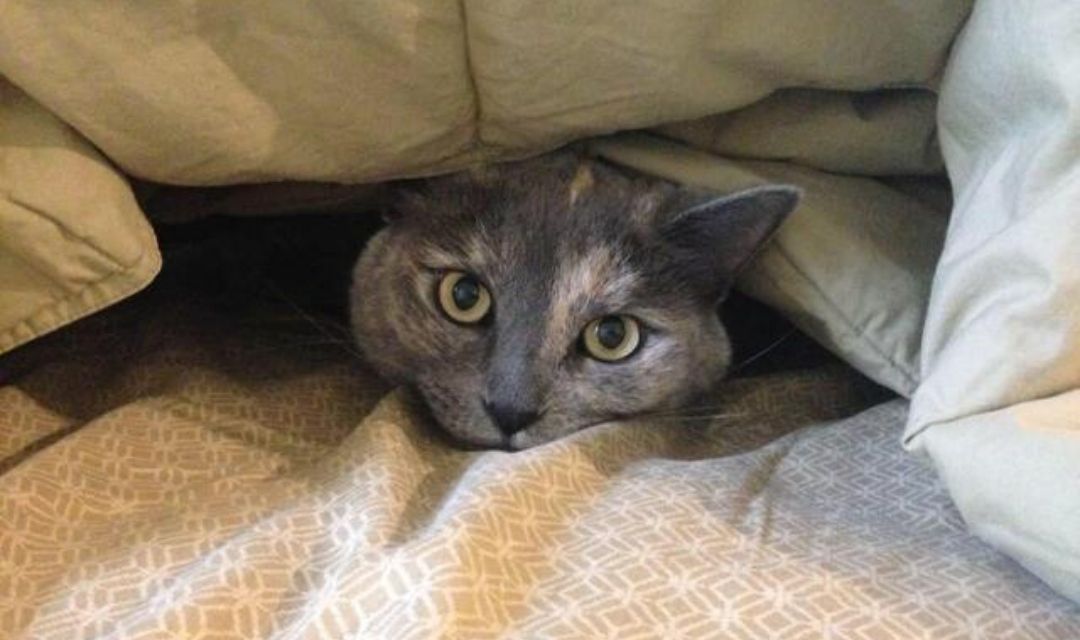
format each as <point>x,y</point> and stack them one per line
<point>191,464</point>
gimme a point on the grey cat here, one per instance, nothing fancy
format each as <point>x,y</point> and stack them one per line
<point>530,300</point>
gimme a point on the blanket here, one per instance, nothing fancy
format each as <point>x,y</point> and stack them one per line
<point>234,472</point>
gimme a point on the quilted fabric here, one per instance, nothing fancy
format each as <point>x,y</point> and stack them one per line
<point>72,238</point>
<point>998,409</point>
<point>173,471</point>
<point>217,93</point>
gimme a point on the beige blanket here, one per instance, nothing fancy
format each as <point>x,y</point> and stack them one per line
<point>234,474</point>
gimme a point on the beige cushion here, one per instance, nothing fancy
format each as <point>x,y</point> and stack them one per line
<point>886,132</point>
<point>997,412</point>
<point>225,92</point>
<point>72,239</point>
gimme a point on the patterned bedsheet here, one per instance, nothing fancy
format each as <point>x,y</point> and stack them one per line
<point>171,471</point>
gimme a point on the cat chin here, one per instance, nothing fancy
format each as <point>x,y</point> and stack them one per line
<point>530,438</point>
<point>493,443</point>
<point>474,437</point>
<point>525,440</point>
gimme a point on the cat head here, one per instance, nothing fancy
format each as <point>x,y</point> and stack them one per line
<point>530,300</point>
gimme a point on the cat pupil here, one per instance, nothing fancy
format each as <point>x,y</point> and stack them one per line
<point>610,332</point>
<point>466,293</point>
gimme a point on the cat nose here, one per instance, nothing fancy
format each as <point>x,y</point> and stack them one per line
<point>508,418</point>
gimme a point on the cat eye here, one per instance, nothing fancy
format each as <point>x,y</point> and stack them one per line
<point>462,298</point>
<point>611,338</point>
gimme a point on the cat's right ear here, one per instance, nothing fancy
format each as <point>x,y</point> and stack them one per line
<point>713,240</point>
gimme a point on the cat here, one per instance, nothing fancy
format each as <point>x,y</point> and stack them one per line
<point>529,300</point>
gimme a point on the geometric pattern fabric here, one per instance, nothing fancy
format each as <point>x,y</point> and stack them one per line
<point>166,472</point>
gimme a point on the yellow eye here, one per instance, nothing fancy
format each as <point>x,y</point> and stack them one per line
<point>611,338</point>
<point>462,298</point>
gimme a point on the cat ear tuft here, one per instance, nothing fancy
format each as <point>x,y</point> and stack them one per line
<point>390,214</point>
<point>405,199</point>
<point>712,241</point>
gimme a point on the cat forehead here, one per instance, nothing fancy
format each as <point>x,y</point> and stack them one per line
<point>600,276</point>
<point>598,272</point>
<point>535,228</point>
<point>548,186</point>
<point>565,263</point>
<point>554,220</point>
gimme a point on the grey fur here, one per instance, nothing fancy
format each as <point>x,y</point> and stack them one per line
<point>558,241</point>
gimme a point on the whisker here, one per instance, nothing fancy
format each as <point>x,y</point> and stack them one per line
<point>295,339</point>
<point>299,331</point>
<point>316,348</point>
<point>705,418</point>
<point>760,354</point>
<point>269,320</point>
<point>263,343</point>
<point>691,409</point>
<point>688,416</point>
<point>279,321</point>
<point>323,329</point>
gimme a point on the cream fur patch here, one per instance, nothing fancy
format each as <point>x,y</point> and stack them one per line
<point>582,182</point>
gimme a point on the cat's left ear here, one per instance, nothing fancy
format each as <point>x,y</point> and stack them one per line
<point>713,240</point>
<point>403,199</point>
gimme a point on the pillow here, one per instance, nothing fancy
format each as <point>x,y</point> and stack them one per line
<point>72,239</point>
<point>885,132</point>
<point>999,412</point>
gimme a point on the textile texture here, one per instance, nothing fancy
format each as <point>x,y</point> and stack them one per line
<point>200,463</point>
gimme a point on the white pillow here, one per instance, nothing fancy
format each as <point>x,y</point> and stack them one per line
<point>999,410</point>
